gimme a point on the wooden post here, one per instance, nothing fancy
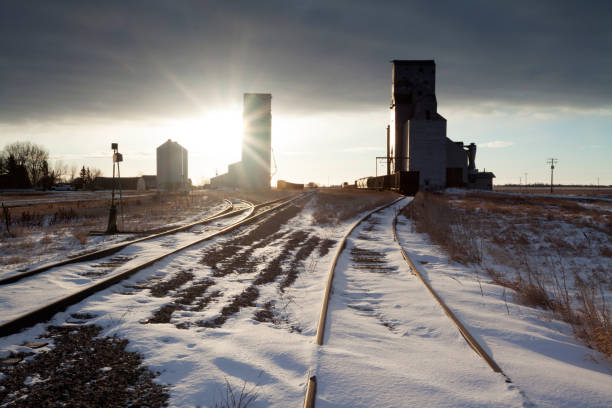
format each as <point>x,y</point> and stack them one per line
<point>7,218</point>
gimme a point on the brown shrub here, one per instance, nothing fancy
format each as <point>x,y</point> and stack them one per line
<point>605,250</point>
<point>80,235</point>
<point>12,260</point>
<point>593,325</point>
<point>447,226</point>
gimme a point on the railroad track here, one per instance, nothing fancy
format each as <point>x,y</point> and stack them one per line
<point>374,263</point>
<point>45,312</point>
<point>228,211</point>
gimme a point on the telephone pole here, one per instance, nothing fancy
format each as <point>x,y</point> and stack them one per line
<point>525,179</point>
<point>552,161</point>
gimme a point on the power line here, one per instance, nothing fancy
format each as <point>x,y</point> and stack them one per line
<point>552,161</point>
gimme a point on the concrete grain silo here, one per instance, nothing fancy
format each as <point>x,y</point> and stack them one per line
<point>172,164</point>
<point>256,141</point>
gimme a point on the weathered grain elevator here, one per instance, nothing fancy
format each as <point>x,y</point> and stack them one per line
<point>417,132</point>
<point>416,139</point>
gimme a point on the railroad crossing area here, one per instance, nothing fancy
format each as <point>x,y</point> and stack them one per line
<point>310,300</point>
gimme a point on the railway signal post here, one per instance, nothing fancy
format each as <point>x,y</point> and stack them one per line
<point>112,214</point>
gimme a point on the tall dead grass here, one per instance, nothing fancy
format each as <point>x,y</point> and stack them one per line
<point>80,235</point>
<point>447,226</point>
<point>511,232</point>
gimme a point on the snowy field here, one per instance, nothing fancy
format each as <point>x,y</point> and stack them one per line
<point>554,253</point>
<point>49,227</point>
<point>559,191</point>
<point>243,310</point>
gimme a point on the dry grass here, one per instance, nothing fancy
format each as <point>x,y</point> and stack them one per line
<point>237,398</point>
<point>593,191</point>
<point>595,326</point>
<point>333,206</point>
<point>80,235</point>
<point>530,236</point>
<point>447,226</point>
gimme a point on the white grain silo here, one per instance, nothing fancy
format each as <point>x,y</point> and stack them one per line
<point>172,166</point>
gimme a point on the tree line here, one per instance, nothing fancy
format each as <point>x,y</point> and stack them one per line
<point>26,165</point>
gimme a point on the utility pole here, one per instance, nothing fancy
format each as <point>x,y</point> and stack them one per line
<point>525,179</point>
<point>552,161</point>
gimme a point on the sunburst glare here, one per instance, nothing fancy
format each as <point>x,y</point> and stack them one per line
<point>216,135</point>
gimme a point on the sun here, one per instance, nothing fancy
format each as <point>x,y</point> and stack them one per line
<point>213,140</point>
<point>223,133</point>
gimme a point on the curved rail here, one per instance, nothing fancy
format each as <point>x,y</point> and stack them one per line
<point>45,312</point>
<point>311,387</point>
<point>472,342</point>
<point>226,212</point>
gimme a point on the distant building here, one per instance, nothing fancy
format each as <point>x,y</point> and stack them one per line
<point>147,183</point>
<point>285,185</point>
<point>253,171</point>
<point>108,183</point>
<point>416,136</point>
<point>172,164</point>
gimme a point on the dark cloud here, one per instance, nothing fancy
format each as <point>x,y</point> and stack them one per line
<point>166,58</point>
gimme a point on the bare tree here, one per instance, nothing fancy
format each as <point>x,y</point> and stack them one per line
<point>60,171</point>
<point>30,155</point>
<point>73,172</point>
<point>95,172</point>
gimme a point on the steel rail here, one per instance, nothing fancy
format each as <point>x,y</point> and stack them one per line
<point>47,311</point>
<point>311,387</point>
<point>471,341</point>
<point>226,212</point>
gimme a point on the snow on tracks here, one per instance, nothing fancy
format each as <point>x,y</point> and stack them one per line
<point>388,343</point>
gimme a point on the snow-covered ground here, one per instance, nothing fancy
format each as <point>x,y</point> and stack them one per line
<point>387,342</point>
<point>539,354</point>
<point>47,245</point>
<point>16,298</point>
<point>580,195</point>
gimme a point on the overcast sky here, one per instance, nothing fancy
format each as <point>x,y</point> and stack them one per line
<point>526,80</point>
